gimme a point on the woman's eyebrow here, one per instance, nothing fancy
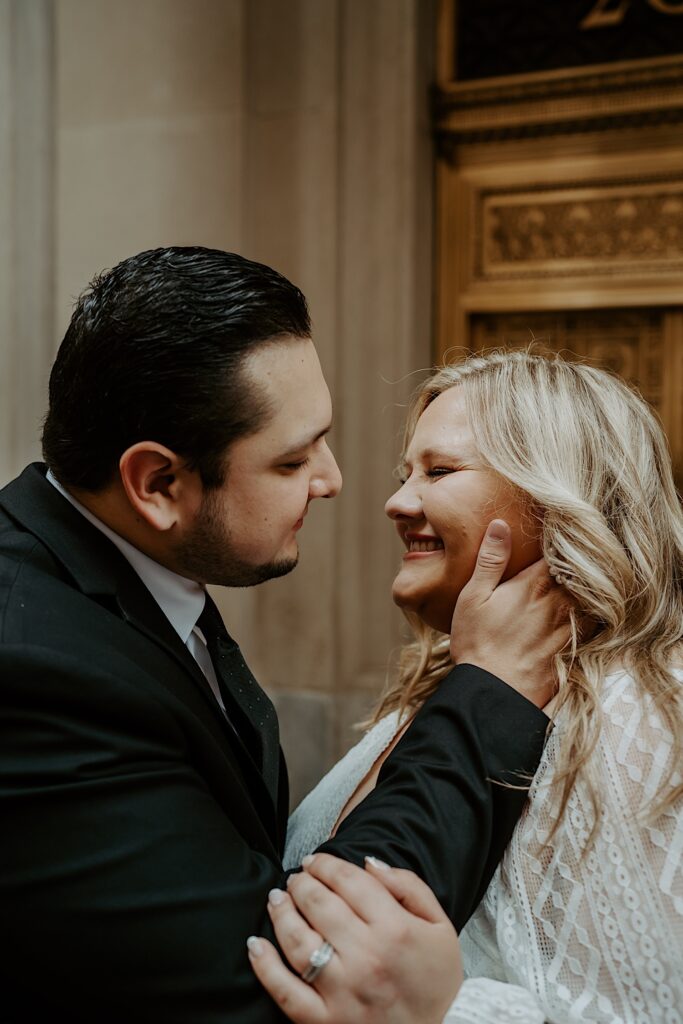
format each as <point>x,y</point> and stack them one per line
<point>435,454</point>
<point>451,454</point>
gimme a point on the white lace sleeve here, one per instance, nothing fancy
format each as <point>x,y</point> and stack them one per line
<point>484,1001</point>
<point>595,938</point>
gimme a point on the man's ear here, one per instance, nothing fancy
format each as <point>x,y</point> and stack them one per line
<point>158,485</point>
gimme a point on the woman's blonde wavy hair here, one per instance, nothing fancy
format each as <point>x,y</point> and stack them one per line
<point>592,458</point>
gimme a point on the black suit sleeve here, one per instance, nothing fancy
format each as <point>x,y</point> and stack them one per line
<point>441,806</point>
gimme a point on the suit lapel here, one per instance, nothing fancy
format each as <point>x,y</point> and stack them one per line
<point>140,610</point>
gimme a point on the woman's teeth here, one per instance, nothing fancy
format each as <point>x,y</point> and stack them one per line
<point>425,545</point>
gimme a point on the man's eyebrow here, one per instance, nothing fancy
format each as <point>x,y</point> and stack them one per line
<point>306,442</point>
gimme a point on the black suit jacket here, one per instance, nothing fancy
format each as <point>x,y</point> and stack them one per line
<point>139,839</point>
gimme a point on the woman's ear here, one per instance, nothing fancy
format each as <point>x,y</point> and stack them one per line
<point>158,485</point>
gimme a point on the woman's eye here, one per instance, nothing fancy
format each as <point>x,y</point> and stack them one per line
<point>437,471</point>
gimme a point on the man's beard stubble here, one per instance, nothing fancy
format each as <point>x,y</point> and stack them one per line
<point>206,554</point>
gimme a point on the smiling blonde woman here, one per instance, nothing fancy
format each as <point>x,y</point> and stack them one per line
<point>584,918</point>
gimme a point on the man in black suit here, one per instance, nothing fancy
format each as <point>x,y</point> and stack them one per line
<point>142,787</point>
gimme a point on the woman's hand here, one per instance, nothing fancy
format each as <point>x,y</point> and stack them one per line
<point>396,955</point>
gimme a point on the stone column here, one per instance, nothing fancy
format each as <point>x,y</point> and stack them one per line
<point>338,197</point>
<point>149,131</point>
<point>26,226</point>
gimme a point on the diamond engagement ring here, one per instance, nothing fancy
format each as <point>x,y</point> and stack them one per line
<point>318,961</point>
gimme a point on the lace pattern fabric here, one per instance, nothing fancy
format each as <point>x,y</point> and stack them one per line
<point>598,938</point>
<point>559,937</point>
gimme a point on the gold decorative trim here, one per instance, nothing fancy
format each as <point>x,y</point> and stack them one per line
<point>569,100</point>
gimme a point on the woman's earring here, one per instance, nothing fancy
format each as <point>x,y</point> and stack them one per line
<point>558,576</point>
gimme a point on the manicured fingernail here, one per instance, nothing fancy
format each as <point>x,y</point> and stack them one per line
<point>308,859</point>
<point>375,863</point>
<point>275,897</point>
<point>497,530</point>
<point>255,946</point>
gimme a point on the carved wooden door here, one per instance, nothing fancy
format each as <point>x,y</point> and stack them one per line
<point>644,346</point>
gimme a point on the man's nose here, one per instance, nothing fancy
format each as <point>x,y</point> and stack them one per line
<point>406,502</point>
<point>327,481</point>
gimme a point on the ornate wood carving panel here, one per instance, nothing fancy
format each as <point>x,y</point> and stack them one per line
<point>609,228</point>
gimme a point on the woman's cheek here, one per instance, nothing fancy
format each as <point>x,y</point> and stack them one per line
<point>526,537</point>
<point>525,550</point>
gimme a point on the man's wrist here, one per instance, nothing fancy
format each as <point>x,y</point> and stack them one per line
<point>525,682</point>
<point>511,729</point>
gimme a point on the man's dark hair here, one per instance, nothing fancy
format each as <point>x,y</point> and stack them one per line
<point>154,352</point>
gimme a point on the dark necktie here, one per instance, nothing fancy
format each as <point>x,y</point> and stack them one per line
<point>247,706</point>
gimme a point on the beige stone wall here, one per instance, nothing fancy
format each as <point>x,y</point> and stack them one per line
<point>149,109</point>
<point>26,225</point>
<point>295,132</point>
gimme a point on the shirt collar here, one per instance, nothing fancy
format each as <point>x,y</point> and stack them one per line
<point>181,600</point>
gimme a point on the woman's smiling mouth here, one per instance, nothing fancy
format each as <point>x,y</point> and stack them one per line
<point>421,544</point>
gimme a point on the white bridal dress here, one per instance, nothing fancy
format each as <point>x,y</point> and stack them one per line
<point>559,938</point>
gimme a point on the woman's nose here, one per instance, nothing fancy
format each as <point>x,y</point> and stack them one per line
<point>405,502</point>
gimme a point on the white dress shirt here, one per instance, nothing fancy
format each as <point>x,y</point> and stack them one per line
<point>181,600</point>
